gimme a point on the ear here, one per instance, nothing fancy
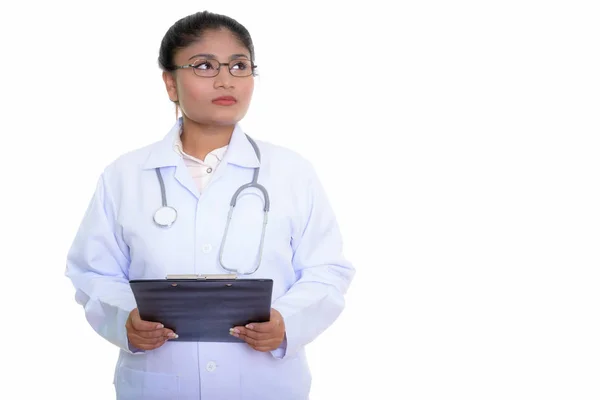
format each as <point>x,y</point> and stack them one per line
<point>170,85</point>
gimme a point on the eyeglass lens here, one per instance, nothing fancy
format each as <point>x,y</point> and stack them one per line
<point>209,67</point>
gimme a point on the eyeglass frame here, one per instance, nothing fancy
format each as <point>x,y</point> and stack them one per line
<point>252,68</point>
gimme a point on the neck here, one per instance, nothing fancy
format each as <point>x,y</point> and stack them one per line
<point>199,139</point>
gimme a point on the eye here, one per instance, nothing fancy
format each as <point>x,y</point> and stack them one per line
<point>240,65</point>
<point>203,65</point>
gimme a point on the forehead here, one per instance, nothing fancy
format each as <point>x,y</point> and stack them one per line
<point>221,43</point>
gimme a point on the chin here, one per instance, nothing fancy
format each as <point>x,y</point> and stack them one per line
<point>219,117</point>
<point>225,118</point>
<point>225,121</point>
<point>216,121</point>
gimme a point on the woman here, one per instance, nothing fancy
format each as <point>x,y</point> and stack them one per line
<point>208,70</point>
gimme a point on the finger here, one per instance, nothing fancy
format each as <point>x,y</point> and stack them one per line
<point>145,338</point>
<point>138,337</point>
<point>264,349</point>
<point>261,326</point>
<point>259,342</point>
<point>165,332</point>
<point>264,345</point>
<point>140,325</point>
<point>238,331</point>
<point>253,334</point>
<point>276,322</point>
<point>149,334</point>
<point>144,346</point>
<point>251,341</point>
<point>146,343</point>
<point>151,337</point>
<point>149,346</point>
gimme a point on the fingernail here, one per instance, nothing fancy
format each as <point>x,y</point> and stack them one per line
<point>160,326</point>
<point>173,335</point>
<point>234,330</point>
<point>250,326</point>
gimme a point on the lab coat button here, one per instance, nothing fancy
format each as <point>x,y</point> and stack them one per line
<point>211,366</point>
<point>206,248</point>
<point>209,170</point>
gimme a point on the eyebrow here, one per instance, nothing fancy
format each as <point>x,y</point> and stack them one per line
<point>205,55</point>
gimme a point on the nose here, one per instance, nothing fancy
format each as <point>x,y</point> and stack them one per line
<point>223,78</point>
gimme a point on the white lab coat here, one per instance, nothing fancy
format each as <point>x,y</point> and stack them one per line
<point>118,241</point>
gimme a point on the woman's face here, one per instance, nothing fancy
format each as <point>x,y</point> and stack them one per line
<point>197,94</point>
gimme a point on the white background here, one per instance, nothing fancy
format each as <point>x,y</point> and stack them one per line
<point>458,142</point>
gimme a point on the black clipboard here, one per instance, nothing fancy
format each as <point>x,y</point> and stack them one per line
<point>202,308</point>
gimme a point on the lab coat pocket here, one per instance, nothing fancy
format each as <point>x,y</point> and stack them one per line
<point>133,384</point>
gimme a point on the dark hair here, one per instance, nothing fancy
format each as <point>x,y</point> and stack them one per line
<point>189,29</point>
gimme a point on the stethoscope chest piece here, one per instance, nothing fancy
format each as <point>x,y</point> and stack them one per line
<point>165,216</point>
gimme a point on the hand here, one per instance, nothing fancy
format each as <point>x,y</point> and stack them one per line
<point>263,336</point>
<point>146,335</point>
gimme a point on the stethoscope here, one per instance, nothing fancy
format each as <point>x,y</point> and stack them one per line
<point>166,215</point>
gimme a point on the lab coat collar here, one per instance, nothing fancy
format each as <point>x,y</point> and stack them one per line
<point>239,151</point>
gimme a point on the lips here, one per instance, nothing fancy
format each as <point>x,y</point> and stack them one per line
<point>224,100</point>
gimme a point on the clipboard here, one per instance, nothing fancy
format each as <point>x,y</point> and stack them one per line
<point>202,308</point>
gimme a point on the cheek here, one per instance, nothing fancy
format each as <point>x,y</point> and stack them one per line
<point>246,90</point>
<point>194,91</point>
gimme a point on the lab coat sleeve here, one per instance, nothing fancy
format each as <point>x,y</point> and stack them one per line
<point>97,265</point>
<point>316,299</point>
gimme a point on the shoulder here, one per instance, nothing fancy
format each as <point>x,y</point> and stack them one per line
<point>129,162</point>
<point>121,174</point>
<point>293,173</point>
<point>284,158</point>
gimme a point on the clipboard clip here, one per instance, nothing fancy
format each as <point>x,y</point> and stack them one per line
<point>200,277</point>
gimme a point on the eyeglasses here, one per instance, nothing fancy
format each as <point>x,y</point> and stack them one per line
<point>208,68</point>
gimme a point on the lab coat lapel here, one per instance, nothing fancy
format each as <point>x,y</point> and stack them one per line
<point>164,155</point>
<point>240,153</point>
<point>183,176</point>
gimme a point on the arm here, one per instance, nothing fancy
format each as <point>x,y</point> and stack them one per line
<point>316,299</point>
<point>97,265</point>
